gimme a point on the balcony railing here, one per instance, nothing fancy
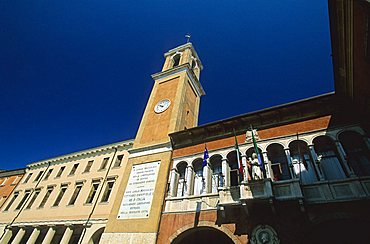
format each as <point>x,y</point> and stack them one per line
<point>265,190</point>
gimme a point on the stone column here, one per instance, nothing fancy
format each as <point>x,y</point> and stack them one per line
<point>19,236</point>
<point>6,237</point>
<point>226,172</point>
<point>34,235</point>
<point>290,164</point>
<point>189,181</point>
<point>343,156</point>
<point>49,235</point>
<point>207,175</point>
<point>245,166</point>
<point>67,235</point>
<point>316,162</point>
<point>173,183</point>
<point>269,173</point>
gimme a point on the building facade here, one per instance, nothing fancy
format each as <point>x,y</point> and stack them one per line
<point>66,199</point>
<point>294,173</point>
<point>8,181</point>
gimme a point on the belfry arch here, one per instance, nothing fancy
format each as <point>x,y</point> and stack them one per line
<point>202,235</point>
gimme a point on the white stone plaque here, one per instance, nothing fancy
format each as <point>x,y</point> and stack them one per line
<point>138,197</point>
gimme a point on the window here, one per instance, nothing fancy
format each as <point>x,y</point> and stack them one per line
<point>39,175</point>
<point>88,166</point>
<point>104,163</point>
<point>16,194</point>
<point>94,189</point>
<point>26,195</point>
<point>217,176</point>
<point>60,171</point>
<point>63,190</point>
<point>4,181</point>
<point>15,181</point>
<point>75,194</point>
<point>33,199</point>
<point>28,178</point>
<point>328,157</point>
<point>107,191</point>
<point>199,186</point>
<point>181,186</point>
<point>74,168</point>
<point>118,161</point>
<point>302,162</point>
<point>358,155</point>
<point>46,197</point>
<point>279,162</point>
<point>48,174</point>
<point>176,60</point>
<point>234,168</point>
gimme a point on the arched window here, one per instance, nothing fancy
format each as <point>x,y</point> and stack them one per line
<point>217,177</point>
<point>302,162</point>
<point>328,157</point>
<point>279,163</point>
<point>181,187</point>
<point>357,153</point>
<point>234,168</point>
<point>176,60</point>
<point>198,177</point>
<point>194,63</point>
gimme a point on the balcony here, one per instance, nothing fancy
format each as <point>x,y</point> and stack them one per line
<point>337,191</point>
<point>261,190</point>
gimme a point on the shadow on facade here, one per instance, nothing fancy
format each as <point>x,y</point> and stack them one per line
<point>202,235</point>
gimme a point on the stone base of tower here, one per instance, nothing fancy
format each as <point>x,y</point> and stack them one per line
<point>137,238</point>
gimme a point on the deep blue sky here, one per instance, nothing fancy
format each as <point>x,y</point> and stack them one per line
<point>75,74</point>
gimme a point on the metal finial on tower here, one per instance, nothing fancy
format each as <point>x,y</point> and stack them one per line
<point>187,36</point>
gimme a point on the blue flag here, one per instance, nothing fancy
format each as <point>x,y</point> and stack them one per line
<point>205,157</point>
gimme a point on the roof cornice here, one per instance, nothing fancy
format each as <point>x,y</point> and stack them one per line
<point>122,144</point>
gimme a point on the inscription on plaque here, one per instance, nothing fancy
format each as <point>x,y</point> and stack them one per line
<point>138,196</point>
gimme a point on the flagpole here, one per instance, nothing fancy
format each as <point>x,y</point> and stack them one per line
<point>240,166</point>
<point>262,167</point>
<point>299,161</point>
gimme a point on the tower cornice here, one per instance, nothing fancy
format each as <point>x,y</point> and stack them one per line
<point>181,48</point>
<point>178,69</point>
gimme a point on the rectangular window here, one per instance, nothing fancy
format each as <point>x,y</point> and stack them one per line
<point>28,178</point>
<point>4,181</point>
<point>75,194</point>
<point>15,181</point>
<point>39,175</point>
<point>48,174</point>
<point>88,166</point>
<point>33,199</point>
<point>63,190</point>
<point>107,191</point>
<point>118,161</point>
<point>46,197</point>
<point>16,194</point>
<point>74,168</point>
<point>94,189</point>
<point>104,163</point>
<point>26,195</point>
<point>61,171</point>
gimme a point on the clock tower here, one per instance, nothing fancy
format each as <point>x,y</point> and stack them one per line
<point>173,105</point>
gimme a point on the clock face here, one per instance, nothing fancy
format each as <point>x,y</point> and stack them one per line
<point>162,106</point>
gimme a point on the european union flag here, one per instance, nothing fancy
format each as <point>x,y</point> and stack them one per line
<point>205,157</point>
